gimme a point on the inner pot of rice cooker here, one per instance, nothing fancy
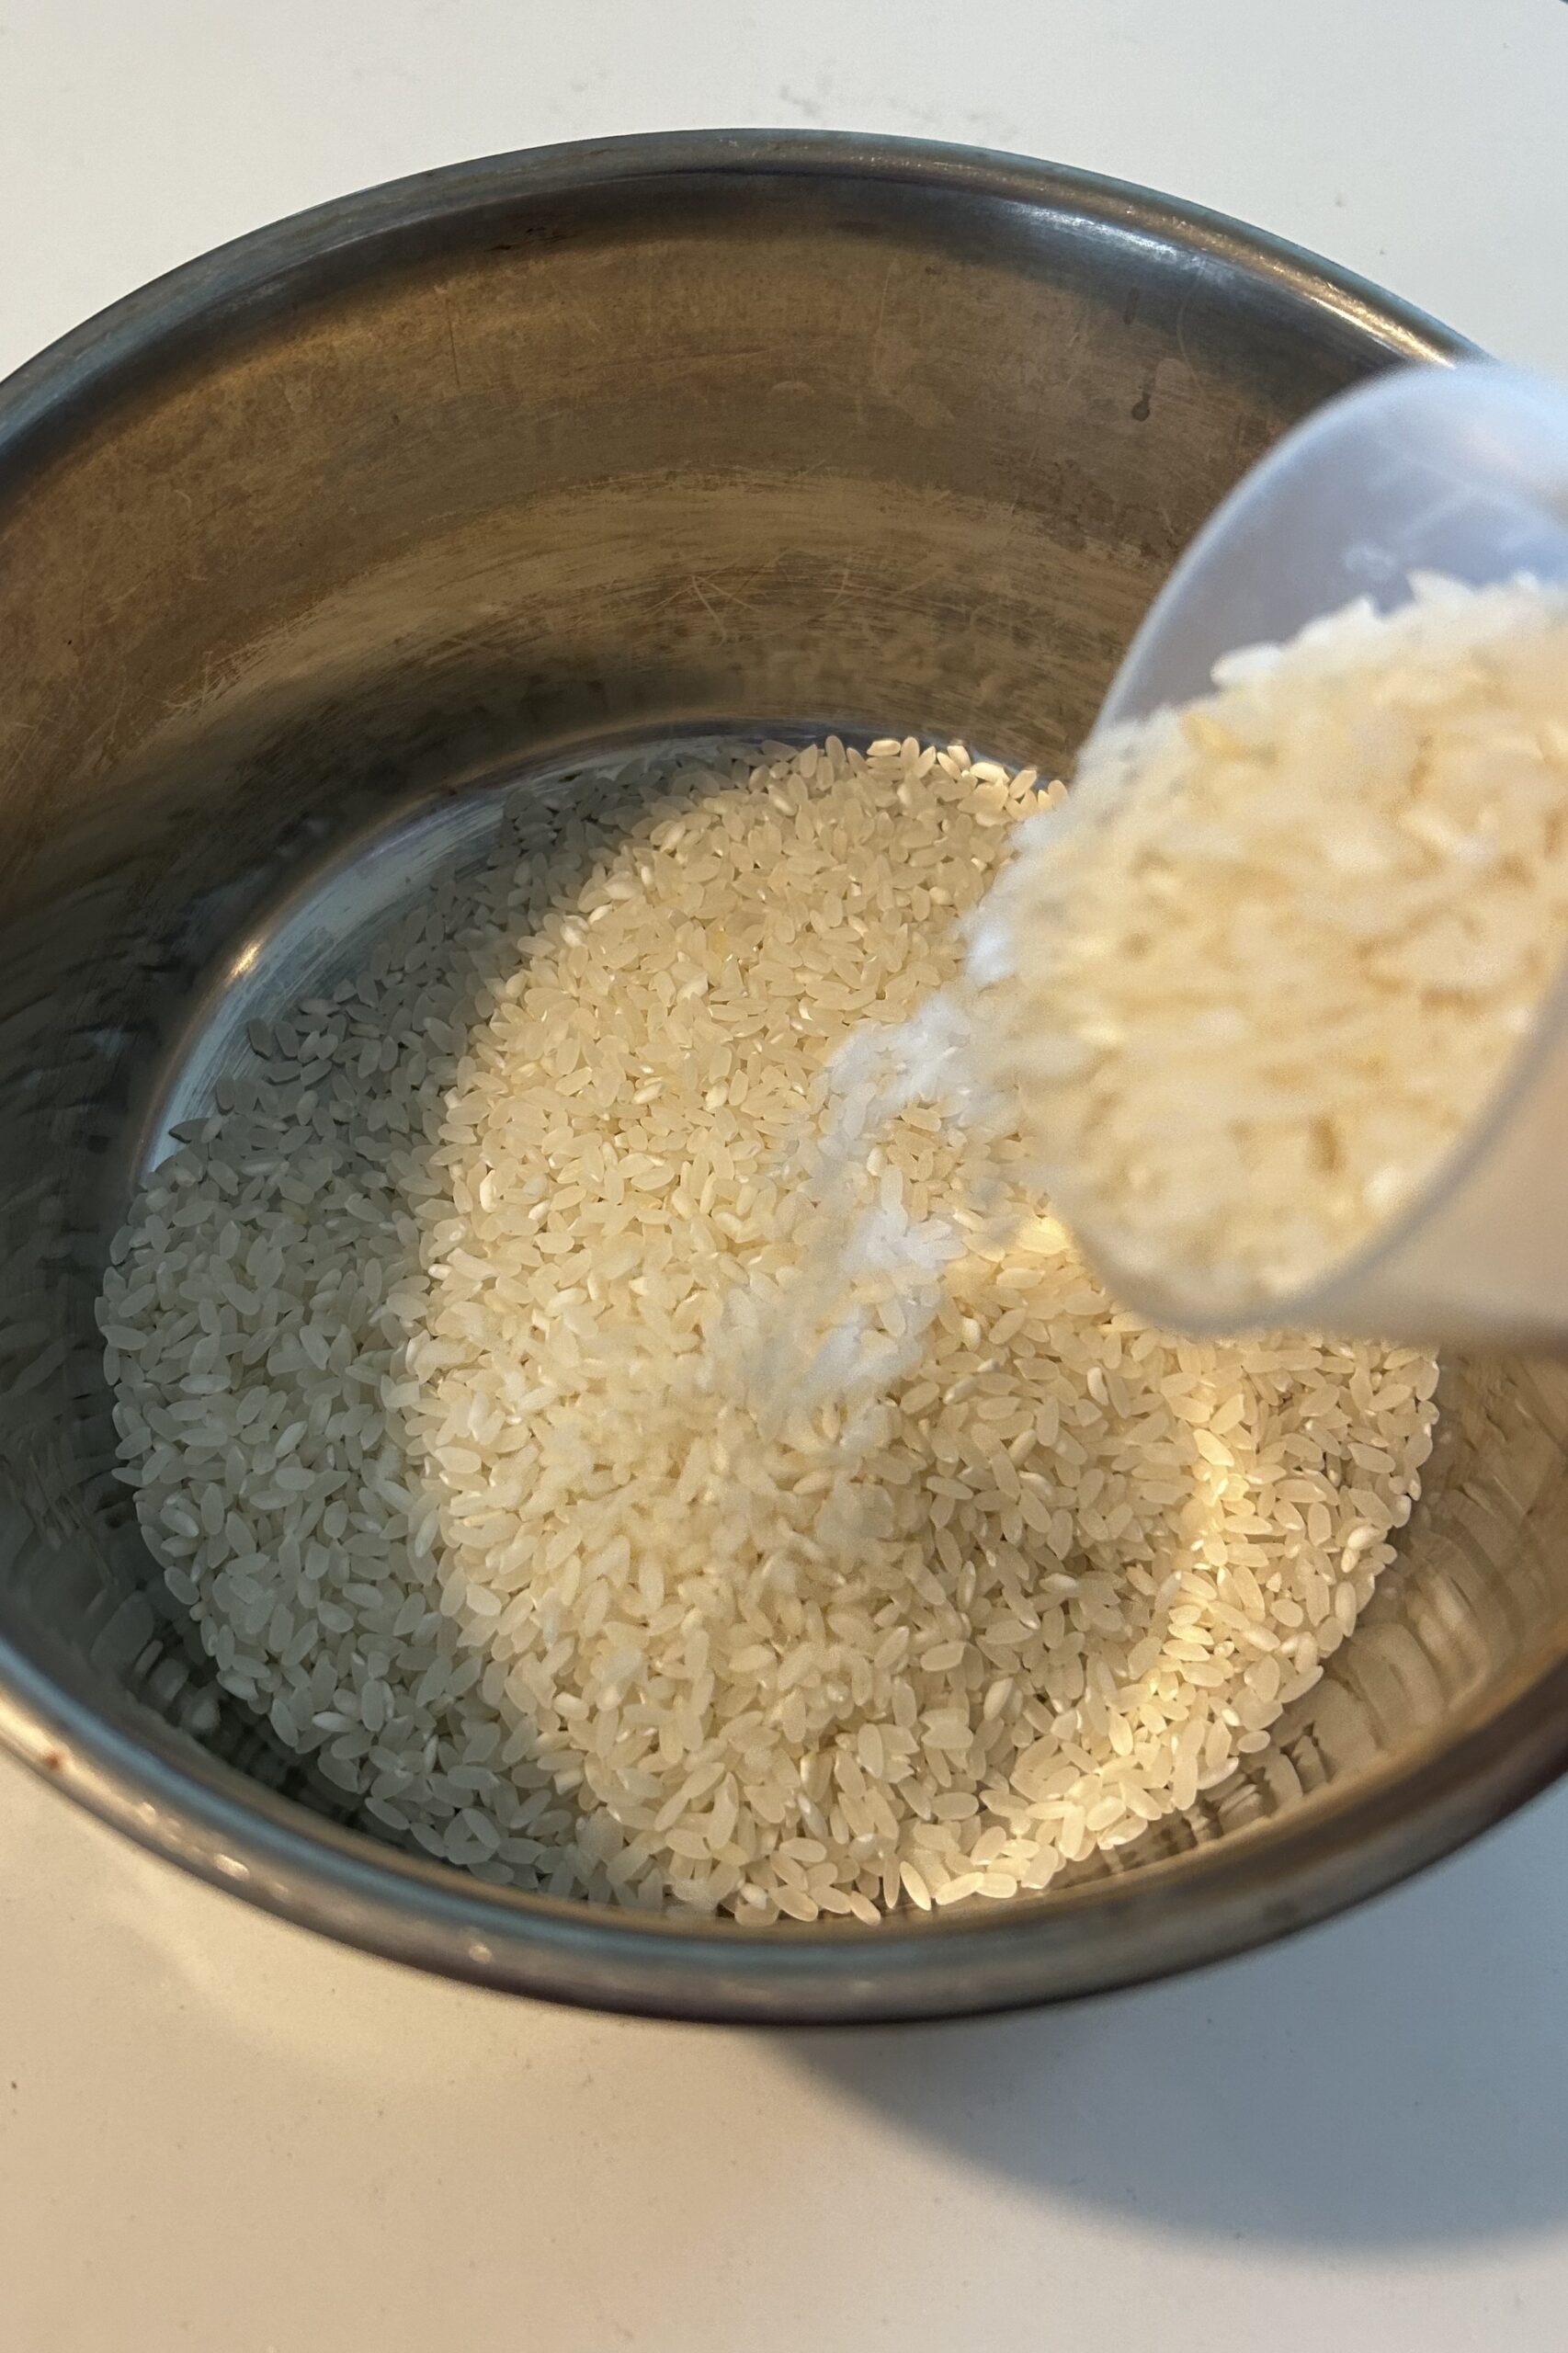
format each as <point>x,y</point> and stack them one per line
<point>503,467</point>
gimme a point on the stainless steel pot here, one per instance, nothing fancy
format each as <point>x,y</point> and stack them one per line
<point>486,469</point>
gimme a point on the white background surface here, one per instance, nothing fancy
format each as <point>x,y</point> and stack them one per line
<point>217,2133</point>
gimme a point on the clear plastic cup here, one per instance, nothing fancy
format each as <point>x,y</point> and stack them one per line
<point>1462,471</point>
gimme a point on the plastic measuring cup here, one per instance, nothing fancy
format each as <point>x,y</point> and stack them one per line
<point>1462,470</point>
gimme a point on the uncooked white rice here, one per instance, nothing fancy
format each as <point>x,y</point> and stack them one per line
<point>1266,967</point>
<point>445,1355</point>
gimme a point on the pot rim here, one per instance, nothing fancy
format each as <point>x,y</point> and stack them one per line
<point>1338,1845</point>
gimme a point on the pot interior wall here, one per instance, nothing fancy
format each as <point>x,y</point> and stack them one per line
<point>690,455</point>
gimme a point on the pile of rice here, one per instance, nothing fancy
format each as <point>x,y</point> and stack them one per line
<point>1266,967</point>
<point>494,1400</point>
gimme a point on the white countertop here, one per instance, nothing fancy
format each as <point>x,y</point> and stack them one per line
<point>219,2134</point>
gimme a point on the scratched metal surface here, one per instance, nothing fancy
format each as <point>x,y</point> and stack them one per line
<point>307,550</point>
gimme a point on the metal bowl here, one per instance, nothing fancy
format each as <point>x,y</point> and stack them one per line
<point>490,469</point>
